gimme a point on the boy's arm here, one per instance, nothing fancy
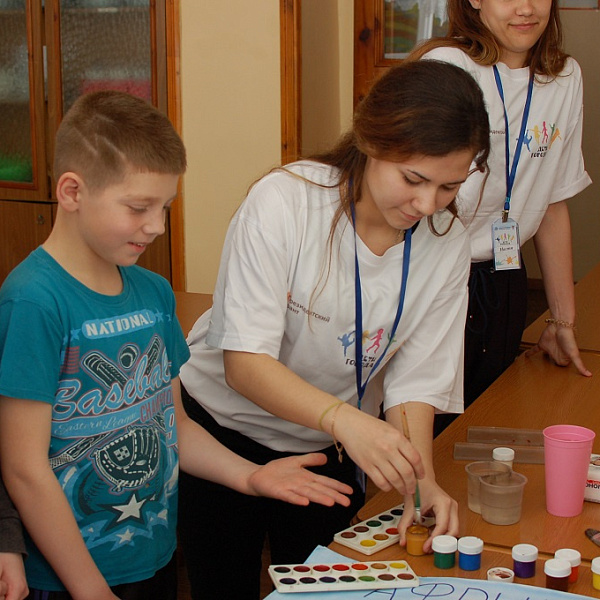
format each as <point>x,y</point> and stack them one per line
<point>36,492</point>
<point>201,455</point>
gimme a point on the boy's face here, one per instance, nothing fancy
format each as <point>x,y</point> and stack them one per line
<point>119,221</point>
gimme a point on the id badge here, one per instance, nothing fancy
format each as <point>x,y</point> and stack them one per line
<point>506,245</point>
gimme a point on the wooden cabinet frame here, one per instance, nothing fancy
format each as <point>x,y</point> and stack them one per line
<point>291,84</point>
<point>45,106</point>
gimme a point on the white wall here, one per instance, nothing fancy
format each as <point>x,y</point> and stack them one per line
<point>581,30</point>
<point>231,113</point>
<point>327,72</point>
<point>231,118</point>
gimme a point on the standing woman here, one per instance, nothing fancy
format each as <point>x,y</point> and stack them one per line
<point>533,92</point>
<point>339,271</point>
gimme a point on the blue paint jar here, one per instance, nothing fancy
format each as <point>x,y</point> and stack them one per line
<point>469,553</point>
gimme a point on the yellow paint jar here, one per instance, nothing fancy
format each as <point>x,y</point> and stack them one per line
<point>596,573</point>
<point>416,536</point>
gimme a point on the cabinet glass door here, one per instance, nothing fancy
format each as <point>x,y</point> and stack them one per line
<point>15,129</point>
<point>408,22</point>
<point>105,44</point>
<point>108,44</point>
<point>22,153</point>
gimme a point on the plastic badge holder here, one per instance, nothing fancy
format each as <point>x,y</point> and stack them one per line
<point>473,451</point>
<point>343,576</point>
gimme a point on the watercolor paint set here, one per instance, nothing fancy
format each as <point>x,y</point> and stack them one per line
<point>376,533</point>
<point>323,577</point>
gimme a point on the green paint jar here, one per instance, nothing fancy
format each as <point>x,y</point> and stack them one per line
<point>444,551</point>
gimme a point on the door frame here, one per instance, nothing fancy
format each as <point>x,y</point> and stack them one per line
<point>290,16</point>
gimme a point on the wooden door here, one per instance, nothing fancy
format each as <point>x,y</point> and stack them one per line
<point>385,31</point>
<point>32,221</point>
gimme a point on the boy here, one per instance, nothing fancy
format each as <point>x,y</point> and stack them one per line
<point>92,430</point>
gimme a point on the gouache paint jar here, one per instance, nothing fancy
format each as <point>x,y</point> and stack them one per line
<point>524,560</point>
<point>500,574</point>
<point>557,572</point>
<point>444,551</point>
<point>596,573</point>
<point>469,553</point>
<point>416,536</point>
<point>574,558</point>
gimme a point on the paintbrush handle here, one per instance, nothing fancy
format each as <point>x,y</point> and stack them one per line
<point>416,495</point>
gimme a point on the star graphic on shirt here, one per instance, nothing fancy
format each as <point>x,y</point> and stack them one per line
<point>131,510</point>
<point>159,316</point>
<point>125,537</point>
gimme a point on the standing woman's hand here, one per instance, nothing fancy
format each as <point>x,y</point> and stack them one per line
<point>560,344</point>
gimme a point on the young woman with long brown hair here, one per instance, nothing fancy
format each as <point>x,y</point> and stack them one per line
<point>346,269</point>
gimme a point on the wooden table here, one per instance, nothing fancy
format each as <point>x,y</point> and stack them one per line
<point>532,394</point>
<point>491,557</point>
<point>587,299</point>
<point>189,307</point>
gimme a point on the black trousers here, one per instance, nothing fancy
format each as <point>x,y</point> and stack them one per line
<point>222,532</point>
<point>494,328</point>
<point>163,586</point>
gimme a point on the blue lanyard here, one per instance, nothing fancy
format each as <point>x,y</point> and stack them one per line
<point>360,386</point>
<point>511,171</point>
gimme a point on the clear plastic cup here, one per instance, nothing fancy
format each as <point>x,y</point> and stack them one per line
<point>501,499</point>
<point>482,468</point>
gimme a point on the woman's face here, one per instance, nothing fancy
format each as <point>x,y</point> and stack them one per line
<point>398,194</point>
<point>516,24</point>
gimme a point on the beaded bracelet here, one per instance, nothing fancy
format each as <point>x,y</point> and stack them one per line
<point>561,323</point>
<point>337,403</point>
<point>339,447</point>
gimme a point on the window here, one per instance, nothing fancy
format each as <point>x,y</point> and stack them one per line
<point>408,22</point>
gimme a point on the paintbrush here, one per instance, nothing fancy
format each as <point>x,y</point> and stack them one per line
<point>417,495</point>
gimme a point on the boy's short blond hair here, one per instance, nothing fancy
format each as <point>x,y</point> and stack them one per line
<point>107,133</point>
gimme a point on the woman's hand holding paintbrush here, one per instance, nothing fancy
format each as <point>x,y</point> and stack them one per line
<point>428,498</point>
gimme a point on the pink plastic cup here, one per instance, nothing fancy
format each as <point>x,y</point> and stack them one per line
<point>567,450</point>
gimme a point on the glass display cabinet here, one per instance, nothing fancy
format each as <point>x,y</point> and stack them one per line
<point>51,52</point>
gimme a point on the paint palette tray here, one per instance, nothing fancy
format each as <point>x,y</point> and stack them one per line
<point>376,533</point>
<point>322,577</point>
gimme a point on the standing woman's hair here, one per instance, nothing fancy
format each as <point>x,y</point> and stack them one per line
<point>467,31</point>
<point>424,108</point>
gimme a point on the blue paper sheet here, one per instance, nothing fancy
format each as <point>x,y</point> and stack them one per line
<point>430,588</point>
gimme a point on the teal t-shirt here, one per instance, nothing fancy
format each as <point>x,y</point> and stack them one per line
<point>105,364</point>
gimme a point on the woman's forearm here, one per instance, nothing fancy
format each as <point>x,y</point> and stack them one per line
<point>553,248</point>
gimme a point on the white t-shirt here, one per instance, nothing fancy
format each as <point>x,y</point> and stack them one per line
<point>275,257</point>
<point>550,168</point>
